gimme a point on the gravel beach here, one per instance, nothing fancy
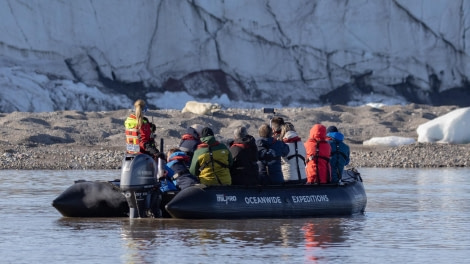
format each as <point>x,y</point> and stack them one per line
<point>75,140</point>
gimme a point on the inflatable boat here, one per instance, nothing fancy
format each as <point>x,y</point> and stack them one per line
<point>92,199</point>
<point>137,195</point>
<point>278,201</point>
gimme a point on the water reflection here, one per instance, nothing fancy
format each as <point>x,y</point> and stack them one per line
<point>412,216</point>
<point>89,224</point>
<point>158,240</point>
<point>142,238</point>
<point>312,242</point>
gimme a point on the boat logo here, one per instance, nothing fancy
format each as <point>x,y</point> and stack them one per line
<point>226,198</point>
<point>310,198</point>
<point>145,173</point>
<point>263,200</point>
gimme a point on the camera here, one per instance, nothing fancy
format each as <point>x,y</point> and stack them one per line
<point>268,110</point>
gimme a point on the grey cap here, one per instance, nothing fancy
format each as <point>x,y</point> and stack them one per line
<point>240,132</point>
<point>198,128</point>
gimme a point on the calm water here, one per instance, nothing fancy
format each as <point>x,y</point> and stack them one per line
<point>412,216</point>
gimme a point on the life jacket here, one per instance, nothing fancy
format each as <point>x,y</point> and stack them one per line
<point>296,154</point>
<point>189,141</point>
<point>240,145</point>
<point>132,135</point>
<point>316,158</point>
<point>176,159</point>
<point>188,137</point>
<point>179,156</point>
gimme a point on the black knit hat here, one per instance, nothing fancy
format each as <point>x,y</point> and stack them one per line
<point>207,132</point>
<point>331,129</point>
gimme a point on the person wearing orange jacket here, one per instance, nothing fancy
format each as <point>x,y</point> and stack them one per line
<point>317,156</point>
<point>139,131</point>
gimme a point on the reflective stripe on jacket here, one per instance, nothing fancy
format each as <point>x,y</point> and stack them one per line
<point>136,138</point>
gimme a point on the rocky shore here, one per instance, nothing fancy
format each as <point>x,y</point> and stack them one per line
<point>419,155</point>
<point>74,140</point>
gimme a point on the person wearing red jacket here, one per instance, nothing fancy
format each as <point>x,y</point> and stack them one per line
<point>139,131</point>
<point>317,156</point>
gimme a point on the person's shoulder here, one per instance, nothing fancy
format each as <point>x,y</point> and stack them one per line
<point>260,140</point>
<point>223,145</point>
<point>200,148</point>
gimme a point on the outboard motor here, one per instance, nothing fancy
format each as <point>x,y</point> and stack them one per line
<point>140,186</point>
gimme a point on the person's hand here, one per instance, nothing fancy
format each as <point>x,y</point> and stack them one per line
<point>151,149</point>
<point>160,155</point>
<point>165,174</point>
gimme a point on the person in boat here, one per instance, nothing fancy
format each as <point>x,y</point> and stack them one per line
<point>244,170</point>
<point>167,183</point>
<point>190,139</point>
<point>340,153</point>
<point>293,166</point>
<point>140,137</point>
<point>317,156</point>
<point>178,164</point>
<point>276,124</point>
<point>211,161</point>
<point>270,151</point>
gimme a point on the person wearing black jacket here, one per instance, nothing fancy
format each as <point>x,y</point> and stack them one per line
<point>189,141</point>
<point>270,151</point>
<point>244,169</point>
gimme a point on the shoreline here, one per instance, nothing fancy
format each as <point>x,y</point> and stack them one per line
<point>76,140</point>
<point>417,155</point>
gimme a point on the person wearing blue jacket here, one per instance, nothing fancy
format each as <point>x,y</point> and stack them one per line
<point>339,153</point>
<point>270,151</point>
<point>178,169</point>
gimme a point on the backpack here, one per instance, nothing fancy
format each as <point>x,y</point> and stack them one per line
<point>267,154</point>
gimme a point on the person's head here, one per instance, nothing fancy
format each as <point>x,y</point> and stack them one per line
<point>178,154</point>
<point>191,131</point>
<point>288,126</point>
<point>240,132</point>
<point>140,108</point>
<point>276,123</point>
<point>206,132</point>
<point>198,129</point>
<point>265,131</point>
<point>331,129</point>
<point>172,150</point>
<point>318,132</point>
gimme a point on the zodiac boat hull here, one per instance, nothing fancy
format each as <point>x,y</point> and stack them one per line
<point>92,199</point>
<point>268,201</point>
<point>106,199</point>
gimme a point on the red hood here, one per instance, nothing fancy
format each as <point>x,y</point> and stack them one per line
<point>318,132</point>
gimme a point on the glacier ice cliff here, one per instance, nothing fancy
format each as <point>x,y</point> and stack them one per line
<point>300,52</point>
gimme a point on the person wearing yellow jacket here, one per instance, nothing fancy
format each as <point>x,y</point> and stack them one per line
<point>211,161</point>
<point>139,131</point>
